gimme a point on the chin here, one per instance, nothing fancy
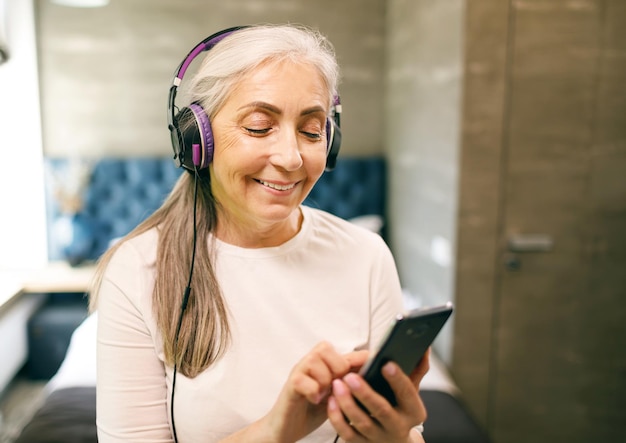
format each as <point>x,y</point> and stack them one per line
<point>276,213</point>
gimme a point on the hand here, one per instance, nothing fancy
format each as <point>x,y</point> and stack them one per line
<point>384,422</point>
<point>301,405</point>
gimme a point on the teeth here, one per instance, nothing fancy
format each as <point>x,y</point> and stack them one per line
<point>275,186</point>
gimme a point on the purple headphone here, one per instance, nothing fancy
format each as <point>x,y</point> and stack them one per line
<point>193,146</point>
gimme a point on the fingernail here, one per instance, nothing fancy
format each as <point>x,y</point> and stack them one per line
<point>352,381</point>
<point>338,387</point>
<point>390,369</point>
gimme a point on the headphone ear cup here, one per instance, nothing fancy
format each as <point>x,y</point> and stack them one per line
<point>333,140</point>
<point>195,137</point>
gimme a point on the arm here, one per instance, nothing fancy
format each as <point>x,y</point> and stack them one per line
<point>131,381</point>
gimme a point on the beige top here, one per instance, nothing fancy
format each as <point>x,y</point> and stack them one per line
<point>333,281</point>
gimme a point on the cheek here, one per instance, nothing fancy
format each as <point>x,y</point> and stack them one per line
<point>231,154</point>
<point>226,164</point>
<point>223,141</point>
<point>315,165</point>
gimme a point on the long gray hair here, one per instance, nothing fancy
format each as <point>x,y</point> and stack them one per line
<point>205,332</point>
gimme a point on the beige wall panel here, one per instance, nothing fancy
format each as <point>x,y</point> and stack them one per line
<point>486,37</point>
<point>105,72</point>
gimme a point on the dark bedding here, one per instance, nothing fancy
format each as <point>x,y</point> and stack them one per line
<point>449,420</point>
<point>68,416</point>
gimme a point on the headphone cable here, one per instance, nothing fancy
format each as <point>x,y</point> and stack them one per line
<point>185,299</point>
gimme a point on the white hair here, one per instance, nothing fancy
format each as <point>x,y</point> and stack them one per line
<point>243,50</point>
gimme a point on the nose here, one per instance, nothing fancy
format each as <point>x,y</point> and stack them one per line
<point>286,151</point>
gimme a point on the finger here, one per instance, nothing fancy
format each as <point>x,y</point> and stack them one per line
<point>309,386</point>
<point>338,364</point>
<point>351,413</point>
<point>356,359</point>
<point>407,395</point>
<point>313,375</point>
<point>338,420</point>
<point>376,407</point>
<point>421,369</point>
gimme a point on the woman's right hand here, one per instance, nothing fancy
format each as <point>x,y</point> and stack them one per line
<point>301,404</point>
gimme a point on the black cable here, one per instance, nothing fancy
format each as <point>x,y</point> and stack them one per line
<point>185,300</point>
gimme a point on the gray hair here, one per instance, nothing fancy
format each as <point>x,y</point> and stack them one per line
<point>245,49</point>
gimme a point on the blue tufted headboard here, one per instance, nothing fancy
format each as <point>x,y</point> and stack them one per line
<point>124,191</point>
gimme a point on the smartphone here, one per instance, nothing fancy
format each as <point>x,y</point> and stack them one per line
<point>405,343</point>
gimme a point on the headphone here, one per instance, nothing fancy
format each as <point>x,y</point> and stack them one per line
<point>193,146</point>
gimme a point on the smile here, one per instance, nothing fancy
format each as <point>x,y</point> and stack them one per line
<point>276,186</point>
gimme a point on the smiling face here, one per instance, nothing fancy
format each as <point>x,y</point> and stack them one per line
<point>270,149</point>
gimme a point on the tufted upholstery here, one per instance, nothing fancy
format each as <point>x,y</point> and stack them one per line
<point>123,192</point>
<point>355,187</point>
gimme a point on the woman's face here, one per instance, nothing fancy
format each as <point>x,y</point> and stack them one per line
<point>270,149</point>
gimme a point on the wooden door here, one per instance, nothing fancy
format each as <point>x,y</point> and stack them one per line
<point>559,353</point>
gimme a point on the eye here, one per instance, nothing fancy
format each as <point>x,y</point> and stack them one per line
<point>253,131</point>
<point>312,128</point>
<point>315,136</point>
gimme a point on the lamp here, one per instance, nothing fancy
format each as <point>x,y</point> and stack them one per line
<point>81,3</point>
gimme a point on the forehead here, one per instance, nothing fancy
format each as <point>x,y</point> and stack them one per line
<point>282,80</point>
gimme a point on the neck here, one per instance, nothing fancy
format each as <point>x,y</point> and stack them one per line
<point>255,234</point>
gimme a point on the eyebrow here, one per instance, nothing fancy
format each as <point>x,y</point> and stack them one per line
<point>275,110</point>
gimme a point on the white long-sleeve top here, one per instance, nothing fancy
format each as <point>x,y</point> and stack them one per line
<point>333,281</point>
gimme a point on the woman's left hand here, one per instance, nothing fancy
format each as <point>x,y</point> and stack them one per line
<point>384,422</point>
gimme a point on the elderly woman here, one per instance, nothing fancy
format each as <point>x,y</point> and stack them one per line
<point>235,313</point>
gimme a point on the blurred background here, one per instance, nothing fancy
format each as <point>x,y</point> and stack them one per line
<point>503,125</point>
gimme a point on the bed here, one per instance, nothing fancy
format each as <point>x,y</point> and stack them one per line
<point>68,413</point>
<point>121,193</point>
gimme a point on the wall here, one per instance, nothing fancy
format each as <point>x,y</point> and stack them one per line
<point>424,68</point>
<point>537,147</point>
<point>23,235</point>
<point>105,72</point>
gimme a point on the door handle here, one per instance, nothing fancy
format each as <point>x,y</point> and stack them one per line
<point>530,243</point>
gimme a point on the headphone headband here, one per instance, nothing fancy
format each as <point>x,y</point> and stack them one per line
<point>204,45</point>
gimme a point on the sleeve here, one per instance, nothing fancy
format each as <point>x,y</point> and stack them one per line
<point>131,383</point>
<point>386,294</point>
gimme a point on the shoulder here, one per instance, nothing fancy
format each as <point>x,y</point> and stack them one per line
<point>340,231</point>
<point>140,249</point>
<point>132,262</point>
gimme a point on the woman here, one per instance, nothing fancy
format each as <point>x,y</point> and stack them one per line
<point>254,334</point>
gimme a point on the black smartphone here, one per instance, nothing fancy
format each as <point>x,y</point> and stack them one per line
<point>405,343</point>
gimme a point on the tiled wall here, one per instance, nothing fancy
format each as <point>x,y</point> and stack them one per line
<point>424,73</point>
<point>106,72</point>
